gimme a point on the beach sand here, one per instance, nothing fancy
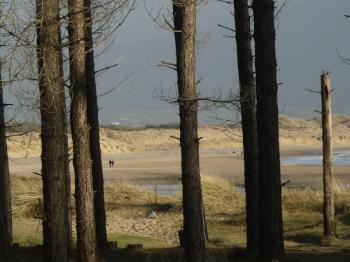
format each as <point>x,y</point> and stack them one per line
<point>163,167</point>
<point>152,156</point>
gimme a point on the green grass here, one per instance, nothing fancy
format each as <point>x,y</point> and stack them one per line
<point>149,243</point>
<point>303,228</point>
<point>22,127</point>
<point>141,128</point>
<point>225,236</point>
<point>175,125</point>
<point>123,128</point>
<point>27,232</point>
<point>303,235</point>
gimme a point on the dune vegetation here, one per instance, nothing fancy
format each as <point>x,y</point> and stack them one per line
<point>127,207</point>
<point>122,140</point>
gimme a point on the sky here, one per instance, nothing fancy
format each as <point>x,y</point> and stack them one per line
<point>310,36</point>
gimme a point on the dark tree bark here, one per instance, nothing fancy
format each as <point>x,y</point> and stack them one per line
<point>185,30</point>
<point>69,187</point>
<point>86,233</point>
<point>329,226</point>
<point>248,113</point>
<point>95,149</point>
<point>5,191</point>
<point>271,244</point>
<point>53,131</point>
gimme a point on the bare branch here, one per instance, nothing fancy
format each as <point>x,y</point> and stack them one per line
<point>119,83</point>
<point>226,27</point>
<point>312,91</point>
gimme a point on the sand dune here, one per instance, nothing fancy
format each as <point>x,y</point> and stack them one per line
<point>293,132</point>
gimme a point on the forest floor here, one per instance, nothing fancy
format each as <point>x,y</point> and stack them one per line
<point>128,205</point>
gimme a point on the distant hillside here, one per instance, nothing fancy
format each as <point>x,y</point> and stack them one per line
<point>293,132</point>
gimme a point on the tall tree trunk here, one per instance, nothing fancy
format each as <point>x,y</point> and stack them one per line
<point>248,113</point>
<point>68,176</point>
<point>69,187</point>
<point>95,149</point>
<point>271,244</point>
<point>53,131</point>
<point>185,29</point>
<point>5,191</point>
<point>86,233</point>
<point>329,228</point>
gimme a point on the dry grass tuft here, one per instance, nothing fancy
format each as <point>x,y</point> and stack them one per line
<point>122,195</point>
<point>310,199</point>
<point>221,196</point>
<point>302,199</point>
<point>27,196</point>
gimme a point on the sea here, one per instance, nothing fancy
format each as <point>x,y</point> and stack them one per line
<point>340,158</point>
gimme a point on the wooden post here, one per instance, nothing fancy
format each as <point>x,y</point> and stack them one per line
<point>155,196</point>
<point>328,198</point>
<point>205,226</point>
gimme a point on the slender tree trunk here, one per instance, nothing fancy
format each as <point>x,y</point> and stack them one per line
<point>329,228</point>
<point>67,171</point>
<point>95,149</point>
<point>5,191</point>
<point>185,30</point>
<point>69,191</point>
<point>53,131</point>
<point>271,244</point>
<point>86,233</point>
<point>248,113</point>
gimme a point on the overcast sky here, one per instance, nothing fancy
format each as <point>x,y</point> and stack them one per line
<point>310,34</point>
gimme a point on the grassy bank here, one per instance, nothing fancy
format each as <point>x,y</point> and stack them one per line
<point>127,207</point>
